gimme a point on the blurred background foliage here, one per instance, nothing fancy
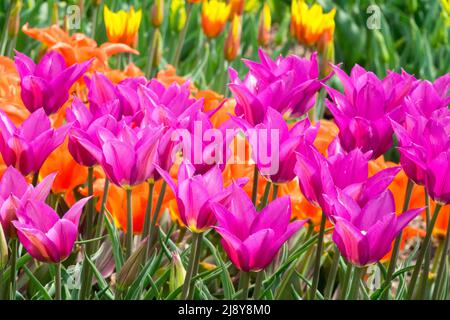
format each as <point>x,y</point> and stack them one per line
<point>413,34</point>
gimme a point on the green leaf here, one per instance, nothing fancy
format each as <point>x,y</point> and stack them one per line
<point>37,283</point>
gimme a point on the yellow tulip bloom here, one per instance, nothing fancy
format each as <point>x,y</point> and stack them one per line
<point>265,23</point>
<point>214,17</point>
<point>122,26</point>
<point>233,40</point>
<point>311,25</point>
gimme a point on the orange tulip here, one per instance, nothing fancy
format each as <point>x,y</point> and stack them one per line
<point>233,40</point>
<point>265,23</point>
<point>237,7</point>
<point>214,17</point>
<point>328,130</point>
<point>77,47</point>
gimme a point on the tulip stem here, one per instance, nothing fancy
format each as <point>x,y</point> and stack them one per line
<point>99,230</point>
<point>94,20</point>
<point>275,191</point>
<point>182,36</point>
<point>35,180</point>
<point>332,274</point>
<point>244,282</point>
<point>316,273</point>
<point>255,185</point>
<point>265,197</point>
<point>354,288</point>
<point>258,284</point>
<point>188,288</point>
<point>148,210</point>
<point>58,281</point>
<point>129,235</point>
<point>396,249</point>
<point>442,263</point>
<point>149,63</point>
<point>422,252</point>
<point>344,287</point>
<point>426,266</point>
<point>152,231</point>
<point>12,291</point>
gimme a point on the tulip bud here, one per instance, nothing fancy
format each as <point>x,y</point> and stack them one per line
<point>157,14</point>
<point>3,249</point>
<point>157,47</point>
<point>55,14</point>
<point>265,22</point>
<point>131,268</point>
<point>177,272</point>
<point>232,43</point>
<point>177,18</point>
<point>237,7</point>
<point>14,19</point>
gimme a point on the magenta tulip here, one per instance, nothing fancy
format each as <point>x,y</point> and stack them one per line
<point>27,147</point>
<point>251,239</point>
<point>47,84</point>
<point>362,112</point>
<point>46,236</point>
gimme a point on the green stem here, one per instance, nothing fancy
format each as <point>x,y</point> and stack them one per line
<point>345,283</point>
<point>99,229</point>
<point>149,63</point>
<point>444,255</point>
<point>155,218</point>
<point>148,210</point>
<point>423,249</point>
<point>129,235</point>
<point>354,288</point>
<point>255,185</point>
<point>244,283</point>
<point>316,273</point>
<point>396,249</point>
<point>332,275</point>
<point>13,285</point>
<point>94,21</point>
<point>182,37</point>
<point>35,180</point>
<point>258,284</point>
<point>58,281</point>
<point>193,263</point>
<point>275,191</point>
<point>426,266</point>
<point>265,197</point>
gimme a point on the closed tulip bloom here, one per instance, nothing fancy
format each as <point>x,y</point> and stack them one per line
<point>157,13</point>
<point>194,194</point>
<point>364,235</point>
<point>233,41</point>
<point>47,84</point>
<point>362,112</point>
<point>251,239</point>
<point>265,24</point>
<point>274,146</point>
<point>122,26</point>
<point>14,191</point>
<point>288,85</point>
<point>214,17</point>
<point>46,236</point>
<point>424,147</point>
<point>237,7</point>
<point>127,155</point>
<point>27,147</point>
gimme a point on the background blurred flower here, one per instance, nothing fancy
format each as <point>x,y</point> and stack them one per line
<point>265,24</point>
<point>233,41</point>
<point>122,26</point>
<point>177,17</point>
<point>214,17</point>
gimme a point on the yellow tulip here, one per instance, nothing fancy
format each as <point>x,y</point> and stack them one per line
<point>311,25</point>
<point>233,40</point>
<point>177,15</point>
<point>265,23</point>
<point>122,26</point>
<point>214,17</point>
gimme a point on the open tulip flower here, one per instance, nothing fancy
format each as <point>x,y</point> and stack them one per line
<point>195,193</point>
<point>272,139</point>
<point>215,14</point>
<point>14,191</point>
<point>251,239</point>
<point>47,84</point>
<point>122,26</point>
<point>365,234</point>
<point>362,112</point>
<point>288,85</point>
<point>27,146</point>
<point>46,236</point>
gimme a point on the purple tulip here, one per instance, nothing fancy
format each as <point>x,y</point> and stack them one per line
<point>364,234</point>
<point>46,236</point>
<point>251,239</point>
<point>194,194</point>
<point>288,85</point>
<point>85,125</point>
<point>274,145</point>
<point>427,97</point>
<point>14,191</point>
<point>127,155</point>
<point>27,147</point>
<point>362,112</point>
<point>47,84</point>
<point>319,176</point>
<point>424,147</point>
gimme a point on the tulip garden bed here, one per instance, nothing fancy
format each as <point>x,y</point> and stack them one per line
<point>224,149</point>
